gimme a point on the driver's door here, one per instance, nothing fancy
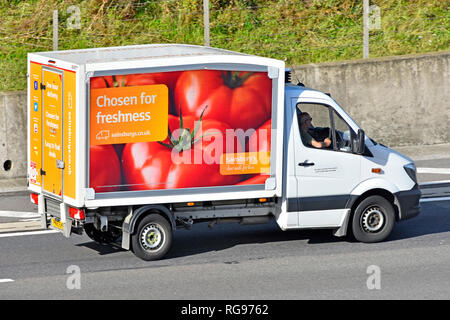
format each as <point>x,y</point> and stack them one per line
<point>325,177</point>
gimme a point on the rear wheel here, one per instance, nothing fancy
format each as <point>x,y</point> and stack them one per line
<point>373,219</point>
<point>153,238</point>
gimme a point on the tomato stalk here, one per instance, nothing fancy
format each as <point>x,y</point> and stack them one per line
<point>115,82</point>
<point>233,79</point>
<point>186,137</point>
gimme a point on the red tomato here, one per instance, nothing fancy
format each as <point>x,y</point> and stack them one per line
<point>104,169</point>
<point>152,166</point>
<point>260,140</point>
<point>140,79</point>
<point>257,179</point>
<point>241,99</point>
<point>119,148</point>
<point>167,78</point>
<point>108,82</point>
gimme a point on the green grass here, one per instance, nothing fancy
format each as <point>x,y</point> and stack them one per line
<point>297,31</point>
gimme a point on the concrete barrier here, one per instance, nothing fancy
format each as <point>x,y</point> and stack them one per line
<point>398,101</point>
<point>13,135</point>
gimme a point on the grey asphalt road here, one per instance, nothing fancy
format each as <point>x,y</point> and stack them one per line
<point>237,262</point>
<point>438,163</point>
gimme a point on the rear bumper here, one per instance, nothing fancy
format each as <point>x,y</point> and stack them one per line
<point>408,201</point>
<point>54,215</point>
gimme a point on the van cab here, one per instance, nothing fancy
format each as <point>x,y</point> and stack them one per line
<point>355,174</point>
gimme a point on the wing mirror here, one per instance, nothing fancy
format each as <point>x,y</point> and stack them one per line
<point>359,142</point>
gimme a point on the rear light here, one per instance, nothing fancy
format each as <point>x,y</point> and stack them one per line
<point>76,213</point>
<point>34,197</point>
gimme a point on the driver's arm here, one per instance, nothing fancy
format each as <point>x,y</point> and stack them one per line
<point>319,145</point>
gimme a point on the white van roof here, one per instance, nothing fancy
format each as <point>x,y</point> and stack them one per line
<point>134,53</point>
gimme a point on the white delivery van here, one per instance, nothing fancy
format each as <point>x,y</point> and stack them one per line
<point>131,143</point>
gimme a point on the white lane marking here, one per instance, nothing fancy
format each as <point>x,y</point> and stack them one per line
<point>6,280</point>
<point>27,233</point>
<point>434,170</point>
<point>18,214</point>
<point>433,182</point>
<point>30,220</point>
<point>435,199</point>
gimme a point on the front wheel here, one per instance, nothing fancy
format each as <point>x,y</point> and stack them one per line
<point>153,238</point>
<point>373,219</point>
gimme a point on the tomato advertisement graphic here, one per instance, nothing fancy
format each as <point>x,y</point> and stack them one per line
<point>243,100</point>
<point>104,169</point>
<point>179,129</point>
<point>259,142</point>
<point>189,158</point>
<point>167,78</point>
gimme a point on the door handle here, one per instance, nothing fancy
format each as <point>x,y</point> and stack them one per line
<point>59,164</point>
<point>306,164</point>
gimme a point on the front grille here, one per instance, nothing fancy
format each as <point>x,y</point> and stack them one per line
<point>52,207</point>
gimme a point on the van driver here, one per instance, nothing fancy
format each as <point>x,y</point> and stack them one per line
<point>307,139</point>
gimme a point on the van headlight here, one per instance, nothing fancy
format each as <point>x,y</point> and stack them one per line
<point>410,169</point>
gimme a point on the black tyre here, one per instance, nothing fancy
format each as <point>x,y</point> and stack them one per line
<point>153,238</point>
<point>373,219</point>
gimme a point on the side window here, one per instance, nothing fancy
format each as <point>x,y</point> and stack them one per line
<point>314,124</point>
<point>344,134</point>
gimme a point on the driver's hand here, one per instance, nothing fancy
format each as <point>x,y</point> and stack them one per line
<point>327,142</point>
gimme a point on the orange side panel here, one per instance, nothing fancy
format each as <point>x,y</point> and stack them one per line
<point>35,125</point>
<point>52,131</point>
<point>69,134</point>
